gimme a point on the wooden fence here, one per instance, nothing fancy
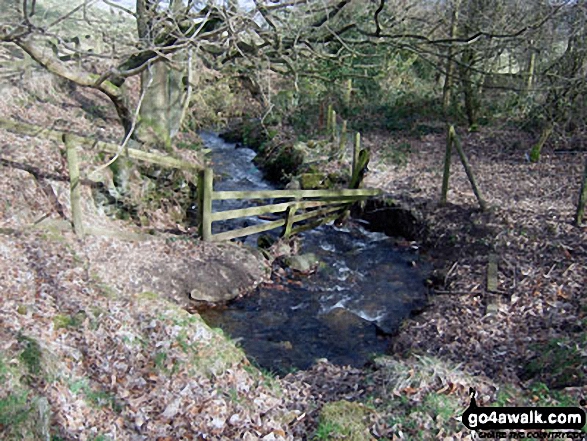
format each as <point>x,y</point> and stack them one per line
<point>303,205</point>
<point>72,144</point>
<point>300,205</point>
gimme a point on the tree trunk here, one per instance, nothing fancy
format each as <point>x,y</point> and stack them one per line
<point>469,93</point>
<point>153,125</point>
<point>447,89</point>
<point>162,86</point>
<point>537,149</point>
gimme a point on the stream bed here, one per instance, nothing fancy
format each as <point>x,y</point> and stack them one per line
<point>345,311</point>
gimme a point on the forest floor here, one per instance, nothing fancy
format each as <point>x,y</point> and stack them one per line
<point>96,343</point>
<point>537,317</point>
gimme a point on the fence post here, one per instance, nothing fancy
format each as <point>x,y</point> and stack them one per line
<point>289,220</point>
<point>333,127</point>
<point>582,198</point>
<point>446,173</point>
<point>74,185</point>
<point>329,119</point>
<point>205,188</point>
<point>342,141</point>
<point>360,169</point>
<point>356,150</point>
<point>468,170</point>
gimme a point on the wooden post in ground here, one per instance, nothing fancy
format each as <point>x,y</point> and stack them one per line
<point>329,119</point>
<point>582,197</point>
<point>348,92</point>
<point>447,156</point>
<point>342,141</point>
<point>205,188</point>
<point>74,185</point>
<point>468,170</point>
<point>356,150</point>
<point>492,273</point>
<point>360,162</point>
<point>360,169</point>
<point>333,126</point>
<point>289,220</point>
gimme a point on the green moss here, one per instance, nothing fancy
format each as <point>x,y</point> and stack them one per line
<point>19,406</point>
<point>31,355</point>
<point>558,363</point>
<point>310,181</point>
<point>327,430</point>
<point>343,420</point>
<point>53,234</point>
<point>96,397</point>
<point>443,406</point>
<point>107,291</point>
<point>14,409</point>
<point>505,395</point>
<point>280,161</point>
<point>61,321</point>
<point>148,296</point>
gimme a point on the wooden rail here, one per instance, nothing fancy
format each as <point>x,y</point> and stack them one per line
<point>303,205</point>
<point>326,204</point>
<point>91,143</point>
<point>72,143</point>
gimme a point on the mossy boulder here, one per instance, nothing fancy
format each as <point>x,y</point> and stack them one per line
<point>279,161</point>
<point>390,217</point>
<point>310,181</point>
<point>250,132</point>
<point>303,263</point>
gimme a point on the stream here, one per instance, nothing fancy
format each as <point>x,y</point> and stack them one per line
<point>345,311</point>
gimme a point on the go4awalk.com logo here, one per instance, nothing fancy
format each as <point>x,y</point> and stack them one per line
<point>526,422</point>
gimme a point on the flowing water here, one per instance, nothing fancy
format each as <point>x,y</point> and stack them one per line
<point>345,311</point>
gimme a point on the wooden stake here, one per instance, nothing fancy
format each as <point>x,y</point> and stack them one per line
<point>356,150</point>
<point>492,273</point>
<point>342,144</point>
<point>329,119</point>
<point>74,185</point>
<point>289,220</point>
<point>582,197</point>
<point>205,187</point>
<point>447,156</point>
<point>348,92</point>
<point>468,170</point>
<point>359,171</point>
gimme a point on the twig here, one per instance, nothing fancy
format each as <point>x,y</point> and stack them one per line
<point>456,293</point>
<point>570,268</point>
<point>450,271</point>
<point>547,275</point>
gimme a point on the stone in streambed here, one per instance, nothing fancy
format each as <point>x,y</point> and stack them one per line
<point>303,263</point>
